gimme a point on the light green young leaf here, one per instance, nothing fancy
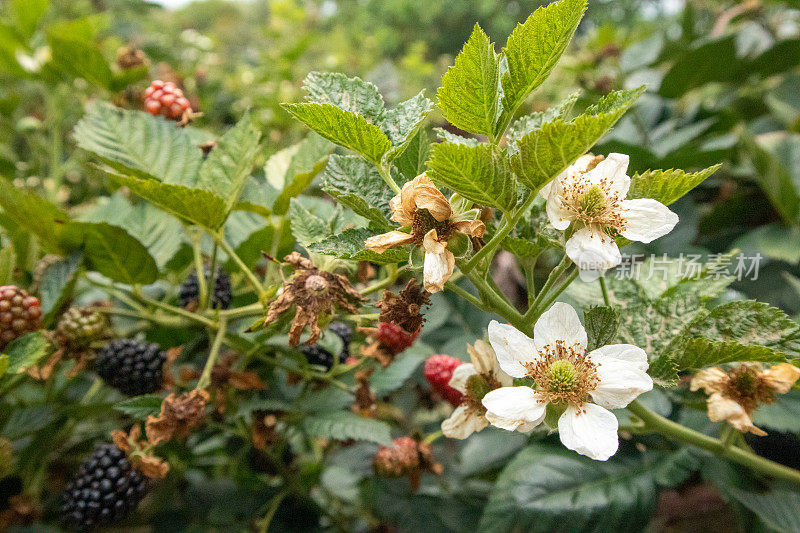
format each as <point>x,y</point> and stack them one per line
<point>57,283</point>
<point>350,245</point>
<point>258,196</point>
<point>196,206</point>
<point>468,97</point>
<point>526,124</point>
<point>293,169</point>
<point>358,185</point>
<point>411,163</point>
<point>349,94</point>
<point>26,351</point>
<point>534,48</point>
<point>344,425</point>
<point>307,228</point>
<point>8,260</point>
<point>479,173</point>
<point>141,145</point>
<point>402,123</point>
<point>345,128</point>
<point>79,58</point>
<point>111,251</point>
<point>33,213</point>
<point>667,186</point>
<point>228,166</point>
<point>28,13</point>
<point>547,151</point>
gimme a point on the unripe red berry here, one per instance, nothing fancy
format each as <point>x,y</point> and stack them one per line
<point>395,338</point>
<point>19,313</point>
<point>166,99</point>
<point>438,371</point>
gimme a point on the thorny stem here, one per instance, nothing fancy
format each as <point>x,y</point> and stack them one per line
<point>213,354</point>
<point>251,277</point>
<point>658,424</point>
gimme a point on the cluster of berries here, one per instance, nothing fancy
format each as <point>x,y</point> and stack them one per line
<point>165,98</point>
<point>189,294</point>
<point>20,313</point>
<point>317,355</point>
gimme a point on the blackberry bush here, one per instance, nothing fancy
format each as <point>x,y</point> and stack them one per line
<point>132,367</point>
<point>190,290</point>
<point>19,313</point>
<point>104,491</point>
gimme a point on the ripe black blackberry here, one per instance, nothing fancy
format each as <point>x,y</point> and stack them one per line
<point>190,290</point>
<point>104,490</point>
<point>19,313</point>
<point>131,366</point>
<point>317,355</point>
<point>344,332</point>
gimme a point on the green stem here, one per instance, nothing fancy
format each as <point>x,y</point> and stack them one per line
<point>603,288</point>
<point>433,437</point>
<point>508,224</point>
<point>213,354</point>
<point>556,292</point>
<point>544,293</point>
<point>196,237</point>
<point>211,283</point>
<point>247,310</point>
<point>464,294</point>
<point>388,178</point>
<point>254,281</point>
<point>673,430</point>
<point>529,269</point>
<point>391,277</point>
<point>498,303</point>
<point>274,504</point>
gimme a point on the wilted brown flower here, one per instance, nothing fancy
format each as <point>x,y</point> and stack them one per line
<point>434,221</point>
<point>736,394</point>
<point>130,57</point>
<point>365,398</point>
<point>178,417</point>
<point>223,378</point>
<point>263,433</point>
<point>407,457</point>
<point>140,453</point>
<point>405,308</point>
<point>314,293</point>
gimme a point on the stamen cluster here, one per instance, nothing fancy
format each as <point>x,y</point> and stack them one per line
<point>424,222</point>
<point>594,204</point>
<point>748,388</point>
<point>563,374</point>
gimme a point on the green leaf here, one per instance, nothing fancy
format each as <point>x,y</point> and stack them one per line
<point>344,425</point>
<point>783,414</point>
<point>57,284</point>
<point>350,245</point>
<point>534,48</point>
<point>79,58</point>
<point>28,13</point>
<point>159,232</point>
<point>140,407</point>
<point>778,509</point>
<point>349,94</point>
<point>385,380</point>
<point>26,351</point>
<point>196,206</point>
<point>774,156</point>
<point>293,169</point>
<point>774,241</point>
<point>8,260</point>
<point>358,185</point>
<point>547,151</point>
<point>479,173</point>
<point>345,128</point>
<point>526,124</point>
<point>138,144</point>
<point>306,227</point>
<point>711,61</point>
<point>228,166</point>
<point>258,196</point>
<point>468,97</point>
<point>602,324</point>
<point>3,369</point>
<point>111,251</point>
<point>402,123</point>
<point>701,352</point>
<point>667,186</point>
<point>545,487</point>
<point>33,213</point>
<point>411,163</point>
<point>533,234</point>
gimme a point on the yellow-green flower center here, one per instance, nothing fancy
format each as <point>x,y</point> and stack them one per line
<point>563,376</point>
<point>592,200</point>
<point>478,387</point>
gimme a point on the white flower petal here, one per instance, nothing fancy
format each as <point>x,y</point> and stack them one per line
<point>593,250</point>
<point>623,352</point>
<point>589,430</point>
<point>620,384</point>
<point>483,357</point>
<point>559,323</point>
<point>513,348</point>
<point>544,192</point>
<point>439,263</point>
<point>463,422</point>
<point>509,424</point>
<point>559,217</point>
<point>646,219</point>
<point>512,407</point>
<point>613,170</point>
<point>460,376</point>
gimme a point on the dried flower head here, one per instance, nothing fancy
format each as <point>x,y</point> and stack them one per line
<point>433,221</point>
<point>140,452</point>
<point>263,432</point>
<point>405,308</point>
<point>406,457</point>
<point>365,399</point>
<point>179,415</point>
<point>224,378</point>
<point>735,395</point>
<point>315,293</point>
<point>131,57</point>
